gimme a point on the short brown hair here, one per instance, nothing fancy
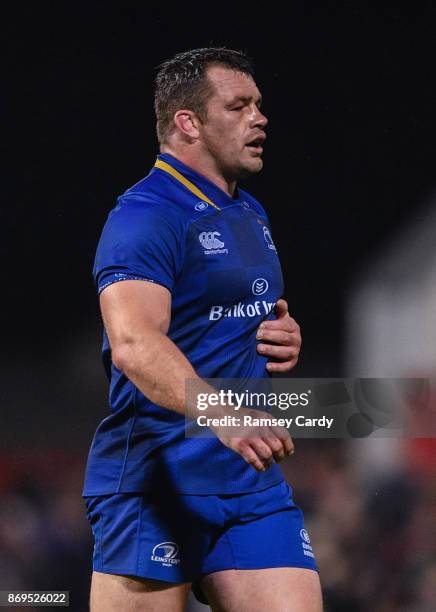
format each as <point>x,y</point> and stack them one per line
<point>181,82</point>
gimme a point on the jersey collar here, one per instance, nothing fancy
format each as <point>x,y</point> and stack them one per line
<point>212,191</point>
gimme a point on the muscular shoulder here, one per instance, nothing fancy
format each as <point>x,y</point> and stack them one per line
<point>158,193</point>
<point>147,202</point>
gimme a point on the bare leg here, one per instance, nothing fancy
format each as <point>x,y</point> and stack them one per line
<point>278,589</point>
<point>113,593</point>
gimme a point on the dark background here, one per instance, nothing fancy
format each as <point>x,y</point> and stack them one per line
<point>349,91</point>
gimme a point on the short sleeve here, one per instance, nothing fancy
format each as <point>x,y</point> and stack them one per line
<point>141,240</point>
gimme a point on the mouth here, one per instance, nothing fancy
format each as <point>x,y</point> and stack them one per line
<point>255,145</point>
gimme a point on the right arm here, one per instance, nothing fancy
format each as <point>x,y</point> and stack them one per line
<point>136,316</point>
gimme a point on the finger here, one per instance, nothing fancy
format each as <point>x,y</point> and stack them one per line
<point>284,338</point>
<point>276,445</point>
<point>285,366</point>
<point>285,353</point>
<point>285,437</point>
<point>251,457</point>
<point>262,450</point>
<point>287,324</point>
<point>281,308</point>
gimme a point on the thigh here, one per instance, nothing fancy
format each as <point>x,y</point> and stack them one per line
<point>112,593</point>
<point>278,589</point>
<point>150,538</point>
<point>267,540</point>
<point>267,532</point>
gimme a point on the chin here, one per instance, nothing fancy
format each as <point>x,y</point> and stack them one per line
<point>259,165</point>
<point>255,166</point>
<point>248,169</point>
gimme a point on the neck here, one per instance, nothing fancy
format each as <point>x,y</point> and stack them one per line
<point>203,164</point>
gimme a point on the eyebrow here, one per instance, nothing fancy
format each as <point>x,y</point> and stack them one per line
<point>245,99</point>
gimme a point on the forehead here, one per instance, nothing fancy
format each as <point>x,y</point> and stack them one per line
<point>228,83</point>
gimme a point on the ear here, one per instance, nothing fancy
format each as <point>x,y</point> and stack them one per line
<point>187,122</point>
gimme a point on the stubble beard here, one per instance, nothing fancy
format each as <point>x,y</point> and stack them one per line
<point>233,168</point>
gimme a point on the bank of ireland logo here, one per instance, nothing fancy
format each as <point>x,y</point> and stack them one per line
<point>211,243</point>
<point>200,206</point>
<point>166,553</point>
<point>268,239</point>
<point>259,286</point>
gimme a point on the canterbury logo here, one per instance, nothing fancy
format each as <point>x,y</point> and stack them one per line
<point>210,241</point>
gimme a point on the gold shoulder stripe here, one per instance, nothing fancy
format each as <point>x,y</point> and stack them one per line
<point>167,168</point>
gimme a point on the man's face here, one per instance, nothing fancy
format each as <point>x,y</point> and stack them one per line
<point>234,128</point>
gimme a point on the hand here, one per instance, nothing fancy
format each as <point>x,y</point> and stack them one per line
<point>284,333</point>
<point>261,445</point>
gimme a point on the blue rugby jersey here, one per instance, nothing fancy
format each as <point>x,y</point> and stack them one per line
<point>216,256</point>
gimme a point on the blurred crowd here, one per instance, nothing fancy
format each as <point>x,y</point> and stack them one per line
<point>374,537</point>
<point>374,533</point>
<point>45,542</point>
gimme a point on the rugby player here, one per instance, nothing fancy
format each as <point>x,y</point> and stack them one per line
<point>188,275</point>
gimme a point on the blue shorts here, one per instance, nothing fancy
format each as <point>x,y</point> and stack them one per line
<point>180,538</point>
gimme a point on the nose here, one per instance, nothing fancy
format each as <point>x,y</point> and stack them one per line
<point>258,118</point>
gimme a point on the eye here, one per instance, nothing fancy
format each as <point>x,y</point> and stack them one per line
<point>237,108</point>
